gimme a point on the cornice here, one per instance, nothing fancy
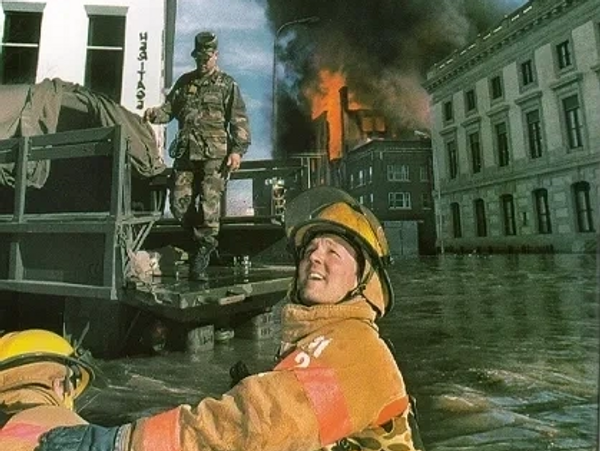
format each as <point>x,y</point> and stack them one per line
<point>470,121</point>
<point>498,110</point>
<point>529,97</point>
<point>532,15</point>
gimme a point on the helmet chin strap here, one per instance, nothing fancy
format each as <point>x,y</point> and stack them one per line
<point>360,288</point>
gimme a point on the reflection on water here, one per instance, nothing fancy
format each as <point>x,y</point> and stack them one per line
<point>501,352</point>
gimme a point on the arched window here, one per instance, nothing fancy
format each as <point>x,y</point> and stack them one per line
<point>508,214</point>
<point>542,211</point>
<point>456,222</point>
<point>480,219</point>
<point>583,207</point>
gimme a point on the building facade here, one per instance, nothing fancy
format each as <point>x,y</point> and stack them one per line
<point>394,179</point>
<point>121,48</point>
<point>516,136</point>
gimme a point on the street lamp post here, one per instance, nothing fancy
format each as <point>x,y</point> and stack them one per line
<point>304,20</point>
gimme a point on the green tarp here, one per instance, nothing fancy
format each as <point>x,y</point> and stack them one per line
<point>55,105</point>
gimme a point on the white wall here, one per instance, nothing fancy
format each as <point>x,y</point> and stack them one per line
<point>64,39</point>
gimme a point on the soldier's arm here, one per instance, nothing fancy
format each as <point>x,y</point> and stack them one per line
<point>164,113</point>
<point>237,117</point>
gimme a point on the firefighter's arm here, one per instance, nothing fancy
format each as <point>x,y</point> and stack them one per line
<point>267,412</point>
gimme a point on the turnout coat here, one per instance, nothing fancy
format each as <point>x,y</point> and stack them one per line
<point>336,380</point>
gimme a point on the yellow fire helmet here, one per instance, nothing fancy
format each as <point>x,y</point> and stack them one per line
<point>326,209</point>
<point>37,345</point>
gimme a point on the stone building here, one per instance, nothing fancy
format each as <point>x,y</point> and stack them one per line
<point>516,136</point>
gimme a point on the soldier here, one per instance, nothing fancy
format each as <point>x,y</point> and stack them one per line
<point>213,136</point>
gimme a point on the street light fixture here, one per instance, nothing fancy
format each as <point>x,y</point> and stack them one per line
<point>304,20</point>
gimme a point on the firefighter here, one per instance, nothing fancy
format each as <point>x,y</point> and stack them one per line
<point>336,384</point>
<point>41,375</point>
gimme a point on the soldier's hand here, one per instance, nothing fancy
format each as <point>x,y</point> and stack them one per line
<point>149,115</point>
<point>234,160</point>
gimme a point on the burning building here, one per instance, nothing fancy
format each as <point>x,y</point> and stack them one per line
<point>357,73</point>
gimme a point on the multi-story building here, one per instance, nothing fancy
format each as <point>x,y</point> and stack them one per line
<point>394,179</point>
<point>388,171</point>
<point>515,133</point>
<point>121,48</point>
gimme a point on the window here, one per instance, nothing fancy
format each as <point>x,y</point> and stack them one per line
<point>496,87</point>
<point>452,158</point>
<point>370,174</point>
<point>542,211</point>
<point>502,149</point>
<point>448,111</point>
<point>398,173</point>
<point>475,149</point>
<point>508,214</point>
<point>424,173</point>
<point>456,225</point>
<point>20,47</point>
<point>534,133</point>
<point>104,63</point>
<point>366,200</point>
<point>583,207</point>
<point>573,121</point>
<point>527,76</point>
<point>480,219</point>
<point>361,177</point>
<point>426,202</point>
<point>399,201</point>
<point>563,54</point>
<point>351,180</point>
<point>470,100</point>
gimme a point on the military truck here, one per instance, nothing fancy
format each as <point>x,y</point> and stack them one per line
<point>83,228</point>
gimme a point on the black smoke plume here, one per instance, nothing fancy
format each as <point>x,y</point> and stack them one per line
<point>382,47</point>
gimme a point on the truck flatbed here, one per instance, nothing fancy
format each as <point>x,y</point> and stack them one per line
<point>229,291</point>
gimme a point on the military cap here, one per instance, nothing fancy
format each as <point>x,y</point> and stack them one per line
<point>205,41</point>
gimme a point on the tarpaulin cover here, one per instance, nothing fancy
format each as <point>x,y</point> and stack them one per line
<point>29,110</point>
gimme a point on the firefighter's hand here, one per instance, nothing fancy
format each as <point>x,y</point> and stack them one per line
<point>83,438</point>
<point>234,160</point>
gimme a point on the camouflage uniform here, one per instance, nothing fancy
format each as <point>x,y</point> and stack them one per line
<point>212,124</point>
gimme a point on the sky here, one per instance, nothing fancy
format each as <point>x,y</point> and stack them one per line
<point>245,53</point>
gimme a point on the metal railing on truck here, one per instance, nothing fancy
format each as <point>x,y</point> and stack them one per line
<point>73,236</point>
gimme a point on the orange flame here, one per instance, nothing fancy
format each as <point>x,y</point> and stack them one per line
<point>325,97</point>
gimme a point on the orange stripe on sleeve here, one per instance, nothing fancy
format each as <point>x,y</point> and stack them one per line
<point>393,409</point>
<point>23,431</point>
<point>328,402</point>
<point>162,432</point>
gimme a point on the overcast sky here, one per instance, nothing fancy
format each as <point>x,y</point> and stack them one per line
<point>245,53</point>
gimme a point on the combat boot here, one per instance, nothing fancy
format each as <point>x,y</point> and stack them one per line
<point>199,262</point>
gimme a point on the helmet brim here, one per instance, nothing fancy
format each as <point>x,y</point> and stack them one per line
<point>303,232</point>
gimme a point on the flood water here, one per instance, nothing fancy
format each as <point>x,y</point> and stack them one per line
<point>501,353</point>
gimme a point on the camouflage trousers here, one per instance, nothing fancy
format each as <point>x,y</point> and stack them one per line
<point>195,196</point>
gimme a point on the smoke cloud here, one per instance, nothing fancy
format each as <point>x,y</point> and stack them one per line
<point>383,49</point>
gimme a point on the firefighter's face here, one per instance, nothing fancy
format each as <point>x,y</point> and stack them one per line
<point>206,60</point>
<point>327,271</point>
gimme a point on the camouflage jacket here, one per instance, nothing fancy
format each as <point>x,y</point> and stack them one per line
<point>211,114</point>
